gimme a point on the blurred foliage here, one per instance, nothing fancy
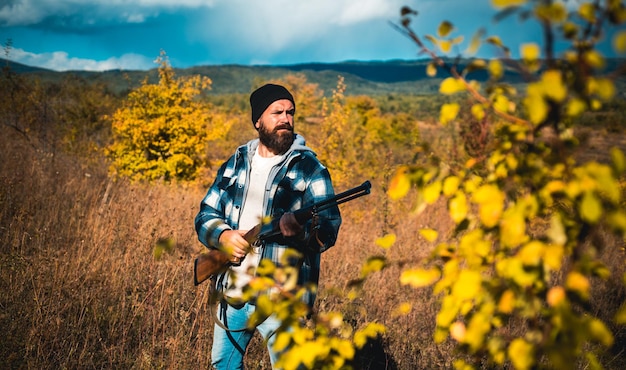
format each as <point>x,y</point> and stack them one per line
<point>501,268</point>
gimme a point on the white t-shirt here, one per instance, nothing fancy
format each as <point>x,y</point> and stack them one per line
<point>251,215</point>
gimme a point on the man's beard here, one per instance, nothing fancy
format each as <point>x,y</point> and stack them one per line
<point>276,142</point>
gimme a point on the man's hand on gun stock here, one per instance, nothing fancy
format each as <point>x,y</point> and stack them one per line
<point>234,242</point>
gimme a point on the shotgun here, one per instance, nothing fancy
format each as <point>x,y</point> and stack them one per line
<point>215,261</point>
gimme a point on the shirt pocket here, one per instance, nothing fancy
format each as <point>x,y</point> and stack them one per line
<point>229,195</point>
<point>289,194</point>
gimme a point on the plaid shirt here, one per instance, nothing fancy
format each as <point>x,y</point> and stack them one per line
<point>297,181</point>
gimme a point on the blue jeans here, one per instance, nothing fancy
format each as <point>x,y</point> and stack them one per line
<point>229,347</point>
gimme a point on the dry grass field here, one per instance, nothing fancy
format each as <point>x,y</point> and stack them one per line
<point>82,289</point>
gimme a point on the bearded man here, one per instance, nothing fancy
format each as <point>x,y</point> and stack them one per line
<point>274,176</point>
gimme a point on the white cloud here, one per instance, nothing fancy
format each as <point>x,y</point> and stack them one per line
<point>270,26</point>
<point>29,12</point>
<point>60,61</point>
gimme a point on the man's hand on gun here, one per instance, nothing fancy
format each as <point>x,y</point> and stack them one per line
<point>289,226</point>
<point>234,243</point>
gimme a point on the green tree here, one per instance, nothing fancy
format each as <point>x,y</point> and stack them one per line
<point>162,129</point>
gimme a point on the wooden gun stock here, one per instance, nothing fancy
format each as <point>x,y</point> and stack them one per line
<point>215,261</point>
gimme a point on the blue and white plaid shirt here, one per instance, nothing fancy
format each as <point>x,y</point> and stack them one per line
<point>299,180</point>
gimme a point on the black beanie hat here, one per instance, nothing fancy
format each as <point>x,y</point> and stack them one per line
<point>265,95</point>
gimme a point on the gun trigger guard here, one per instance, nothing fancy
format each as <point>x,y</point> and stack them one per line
<point>315,219</point>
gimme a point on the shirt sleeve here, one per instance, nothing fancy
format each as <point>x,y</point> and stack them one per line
<point>210,222</point>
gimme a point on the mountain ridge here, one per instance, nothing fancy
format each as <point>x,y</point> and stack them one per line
<point>361,77</point>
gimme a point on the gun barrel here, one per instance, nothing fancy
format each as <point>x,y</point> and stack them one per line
<point>304,214</point>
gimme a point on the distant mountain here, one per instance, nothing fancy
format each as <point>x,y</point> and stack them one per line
<point>367,78</point>
<point>19,67</point>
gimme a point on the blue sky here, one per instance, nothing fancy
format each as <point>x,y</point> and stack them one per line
<point>129,34</point>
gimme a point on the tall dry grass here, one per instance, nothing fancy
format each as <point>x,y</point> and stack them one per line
<point>82,289</point>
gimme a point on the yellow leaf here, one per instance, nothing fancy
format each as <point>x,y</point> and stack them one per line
<point>400,184</point>
<point>445,46</point>
<point>576,107</point>
<point>457,331</point>
<point>553,13</point>
<point>554,89</point>
<point>530,52</point>
<point>521,354</point>
<point>451,86</point>
<point>444,29</point>
<point>507,3</point>
<point>372,330</point>
<point>578,283</point>
<point>403,309</point>
<point>386,241</point>
<point>491,204</point>
<point>478,111</point>
<point>432,192</point>
<point>431,70</point>
<point>555,296</point>
<point>418,278</point>
<point>530,254</point>
<point>501,103</point>
<point>282,341</point>
<point>600,332</point>
<point>429,234</point>
<point>373,264</point>
<point>618,160</point>
<point>594,59</point>
<point>620,317</point>
<point>605,89</point>
<point>590,207</point>
<point>475,42</point>
<point>450,185</point>
<point>496,69</point>
<point>536,106</point>
<point>553,256</point>
<point>468,285</point>
<point>448,113</point>
<point>495,40</point>
<point>619,42</point>
<point>507,302</point>
<point>587,12</point>
<point>512,229</point>
<point>458,208</point>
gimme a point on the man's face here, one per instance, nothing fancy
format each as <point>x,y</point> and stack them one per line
<point>276,126</point>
